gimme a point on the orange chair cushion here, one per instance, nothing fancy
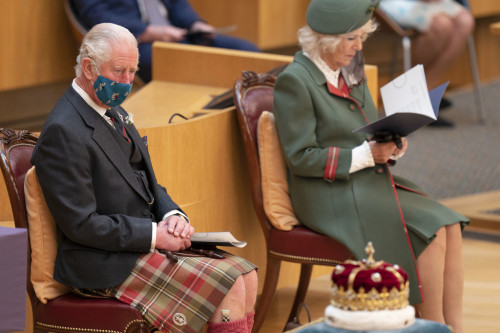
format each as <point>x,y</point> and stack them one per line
<point>43,240</point>
<point>276,197</point>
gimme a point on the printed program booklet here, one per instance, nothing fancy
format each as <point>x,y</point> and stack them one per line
<point>408,104</point>
<point>222,238</point>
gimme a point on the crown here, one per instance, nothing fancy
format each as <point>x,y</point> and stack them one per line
<point>369,295</point>
<point>369,285</point>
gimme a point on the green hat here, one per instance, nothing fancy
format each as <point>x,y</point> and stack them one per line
<point>335,17</point>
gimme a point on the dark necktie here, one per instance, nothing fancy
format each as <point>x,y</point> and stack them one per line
<point>153,11</point>
<point>118,123</point>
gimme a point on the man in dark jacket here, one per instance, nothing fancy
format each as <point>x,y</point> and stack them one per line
<point>169,21</point>
<point>112,216</point>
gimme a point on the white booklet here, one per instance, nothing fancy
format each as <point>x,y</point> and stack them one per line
<point>221,238</point>
<point>408,104</point>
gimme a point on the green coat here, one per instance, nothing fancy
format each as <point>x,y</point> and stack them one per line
<point>315,129</point>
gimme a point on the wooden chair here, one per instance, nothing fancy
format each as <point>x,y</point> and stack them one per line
<point>68,312</point>
<point>253,95</point>
<point>388,24</point>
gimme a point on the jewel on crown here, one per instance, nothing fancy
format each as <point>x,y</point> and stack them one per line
<point>369,285</point>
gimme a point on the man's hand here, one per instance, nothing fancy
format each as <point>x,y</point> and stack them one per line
<point>178,226</point>
<point>203,27</point>
<point>164,33</point>
<point>173,234</point>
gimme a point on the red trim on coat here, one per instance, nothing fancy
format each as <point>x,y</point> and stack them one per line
<point>410,189</point>
<point>331,163</point>
<point>406,231</point>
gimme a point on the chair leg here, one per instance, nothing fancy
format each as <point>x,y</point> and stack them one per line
<point>270,282</point>
<point>475,76</point>
<point>300,295</point>
<point>406,41</point>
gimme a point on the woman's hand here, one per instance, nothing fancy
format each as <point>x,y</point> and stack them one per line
<point>382,151</point>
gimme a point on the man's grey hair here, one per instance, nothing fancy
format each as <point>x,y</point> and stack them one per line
<point>315,44</point>
<point>98,42</point>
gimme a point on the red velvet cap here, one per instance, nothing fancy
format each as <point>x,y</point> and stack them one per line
<point>369,285</point>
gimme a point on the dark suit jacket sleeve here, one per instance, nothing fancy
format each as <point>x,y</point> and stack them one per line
<point>78,183</point>
<point>122,12</point>
<point>181,13</point>
<point>127,14</point>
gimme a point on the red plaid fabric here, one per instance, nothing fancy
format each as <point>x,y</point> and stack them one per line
<point>182,296</point>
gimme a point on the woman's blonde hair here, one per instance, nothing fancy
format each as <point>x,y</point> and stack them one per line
<point>314,43</point>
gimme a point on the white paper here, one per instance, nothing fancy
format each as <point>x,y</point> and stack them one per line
<point>217,238</point>
<point>408,93</point>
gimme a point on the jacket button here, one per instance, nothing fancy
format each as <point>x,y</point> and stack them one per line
<point>379,170</point>
<point>351,107</point>
<point>145,212</point>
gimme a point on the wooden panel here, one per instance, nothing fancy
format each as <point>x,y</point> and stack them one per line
<point>222,13</point>
<point>209,66</point>
<point>267,23</point>
<point>482,8</point>
<point>37,44</point>
<point>279,21</point>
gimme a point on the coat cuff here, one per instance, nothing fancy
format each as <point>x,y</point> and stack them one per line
<point>332,163</point>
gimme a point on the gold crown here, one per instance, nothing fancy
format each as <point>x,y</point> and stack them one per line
<point>369,285</point>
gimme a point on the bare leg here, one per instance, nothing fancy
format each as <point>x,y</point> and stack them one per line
<point>453,278</point>
<point>437,48</point>
<point>431,265</point>
<point>251,285</point>
<point>442,275</point>
<point>245,288</point>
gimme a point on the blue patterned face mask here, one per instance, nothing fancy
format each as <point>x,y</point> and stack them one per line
<point>110,92</point>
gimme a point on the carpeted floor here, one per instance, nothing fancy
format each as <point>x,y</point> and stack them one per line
<point>464,159</point>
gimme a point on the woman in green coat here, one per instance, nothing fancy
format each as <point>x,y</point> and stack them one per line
<point>340,182</point>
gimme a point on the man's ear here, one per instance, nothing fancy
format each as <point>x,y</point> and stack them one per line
<point>87,68</point>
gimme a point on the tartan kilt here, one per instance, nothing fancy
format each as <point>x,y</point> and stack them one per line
<point>182,296</point>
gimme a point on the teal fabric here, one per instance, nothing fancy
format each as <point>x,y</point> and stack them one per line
<point>420,326</point>
<point>353,208</point>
